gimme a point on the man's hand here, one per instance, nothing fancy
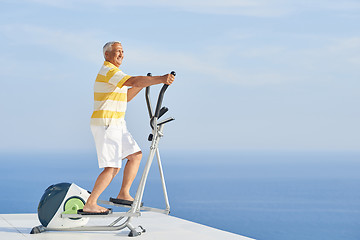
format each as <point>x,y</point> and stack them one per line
<point>168,79</point>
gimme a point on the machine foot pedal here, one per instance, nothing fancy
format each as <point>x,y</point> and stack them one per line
<point>123,202</point>
<point>81,212</point>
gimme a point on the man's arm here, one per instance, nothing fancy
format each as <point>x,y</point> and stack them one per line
<point>132,92</point>
<point>145,81</point>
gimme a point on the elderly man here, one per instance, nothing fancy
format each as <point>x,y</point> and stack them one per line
<point>112,139</point>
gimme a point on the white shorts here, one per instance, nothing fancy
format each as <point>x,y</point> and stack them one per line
<point>113,144</point>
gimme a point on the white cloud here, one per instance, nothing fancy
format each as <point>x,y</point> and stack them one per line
<point>337,56</point>
<point>346,45</point>
<point>288,64</point>
<point>257,8</point>
<point>272,64</point>
<point>203,65</point>
<point>77,44</point>
<point>335,5</point>
<point>57,3</point>
<point>254,8</point>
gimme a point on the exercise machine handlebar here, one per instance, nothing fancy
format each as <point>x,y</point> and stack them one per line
<point>158,111</point>
<point>148,103</point>
<point>161,96</point>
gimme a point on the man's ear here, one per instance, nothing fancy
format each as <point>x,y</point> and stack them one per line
<point>106,55</point>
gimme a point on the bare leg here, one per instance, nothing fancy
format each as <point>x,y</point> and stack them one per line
<point>130,171</point>
<point>101,184</point>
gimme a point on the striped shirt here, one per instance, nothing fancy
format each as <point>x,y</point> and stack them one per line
<point>110,96</point>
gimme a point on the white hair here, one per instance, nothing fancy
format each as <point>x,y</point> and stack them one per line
<point>108,46</point>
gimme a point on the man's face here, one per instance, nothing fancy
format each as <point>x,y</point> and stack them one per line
<point>116,55</point>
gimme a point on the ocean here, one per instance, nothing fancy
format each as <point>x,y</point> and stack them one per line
<point>262,195</point>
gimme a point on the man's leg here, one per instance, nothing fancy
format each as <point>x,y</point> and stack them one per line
<point>130,171</point>
<point>103,180</point>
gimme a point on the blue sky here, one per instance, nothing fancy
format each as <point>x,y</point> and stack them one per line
<point>251,75</point>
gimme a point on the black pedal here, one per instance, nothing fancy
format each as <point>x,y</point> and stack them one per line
<point>150,138</point>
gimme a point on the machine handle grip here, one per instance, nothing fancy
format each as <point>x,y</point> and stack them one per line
<point>161,96</point>
<point>147,96</point>
<point>163,110</point>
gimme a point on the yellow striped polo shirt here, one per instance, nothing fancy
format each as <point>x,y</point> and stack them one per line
<point>110,96</point>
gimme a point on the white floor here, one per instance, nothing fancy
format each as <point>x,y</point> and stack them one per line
<point>158,226</point>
